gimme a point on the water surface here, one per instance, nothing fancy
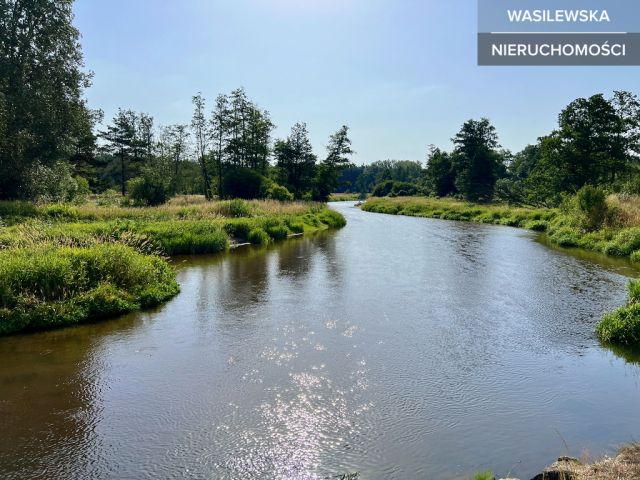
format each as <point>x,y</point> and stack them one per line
<point>396,348</point>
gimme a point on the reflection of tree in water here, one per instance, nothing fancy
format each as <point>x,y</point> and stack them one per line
<point>49,389</point>
<point>631,355</point>
<point>236,281</point>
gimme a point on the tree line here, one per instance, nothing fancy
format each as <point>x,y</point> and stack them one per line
<point>596,142</point>
<point>51,147</point>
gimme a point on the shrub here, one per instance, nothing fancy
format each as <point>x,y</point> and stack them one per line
<point>149,189</point>
<point>592,203</point>
<point>622,327</point>
<point>258,236</point>
<point>235,209</point>
<point>383,189</point>
<point>238,228</point>
<point>243,183</point>
<point>278,192</point>
<point>54,183</point>
<point>275,229</point>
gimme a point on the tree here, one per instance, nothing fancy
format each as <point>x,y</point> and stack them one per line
<point>43,115</point>
<point>202,136</point>
<point>439,174</point>
<point>122,142</point>
<point>475,159</point>
<point>593,143</point>
<point>338,151</point>
<point>220,125</point>
<point>173,145</point>
<point>296,161</point>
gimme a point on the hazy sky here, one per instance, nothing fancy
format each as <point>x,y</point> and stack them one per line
<point>401,73</point>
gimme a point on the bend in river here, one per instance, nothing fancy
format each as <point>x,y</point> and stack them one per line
<point>395,348</point>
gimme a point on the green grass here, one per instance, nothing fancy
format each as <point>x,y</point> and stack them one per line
<point>51,286</point>
<point>65,264</point>
<point>488,475</point>
<point>538,219</point>
<point>622,327</point>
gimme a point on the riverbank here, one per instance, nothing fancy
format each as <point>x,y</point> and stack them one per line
<point>63,264</point>
<point>624,466</point>
<point>618,236</point>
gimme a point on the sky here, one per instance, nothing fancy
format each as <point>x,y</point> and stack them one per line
<point>401,74</point>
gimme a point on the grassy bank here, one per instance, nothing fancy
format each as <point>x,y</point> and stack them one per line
<point>62,264</point>
<point>618,236</point>
<point>50,286</point>
<point>450,209</point>
<point>344,197</point>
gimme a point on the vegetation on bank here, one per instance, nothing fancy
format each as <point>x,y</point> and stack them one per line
<point>66,264</point>
<point>345,197</point>
<point>50,286</point>
<point>624,466</point>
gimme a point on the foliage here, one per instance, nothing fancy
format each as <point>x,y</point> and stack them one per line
<point>43,118</point>
<point>592,203</point>
<point>488,475</point>
<point>295,161</point>
<point>150,189</point>
<point>51,286</point>
<point>258,236</point>
<point>622,327</point>
<point>278,192</point>
<point>53,184</point>
<point>244,183</point>
<point>394,189</point>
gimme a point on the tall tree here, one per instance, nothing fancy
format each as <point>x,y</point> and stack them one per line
<point>44,116</point>
<point>121,141</point>
<point>295,160</point>
<point>439,176</point>
<point>475,160</point>
<point>338,152</point>
<point>173,145</point>
<point>202,136</point>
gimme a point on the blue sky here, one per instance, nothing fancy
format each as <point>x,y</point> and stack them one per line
<point>401,73</point>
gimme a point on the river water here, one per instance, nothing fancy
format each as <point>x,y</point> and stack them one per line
<point>395,348</point>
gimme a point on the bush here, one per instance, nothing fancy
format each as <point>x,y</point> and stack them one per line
<point>243,183</point>
<point>49,286</point>
<point>149,189</point>
<point>235,208</point>
<point>390,188</point>
<point>53,183</point>
<point>622,327</point>
<point>592,203</point>
<point>258,236</point>
<point>278,192</point>
<point>383,189</point>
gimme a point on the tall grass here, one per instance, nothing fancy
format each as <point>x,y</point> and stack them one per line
<point>64,264</point>
<point>50,286</point>
<point>622,327</point>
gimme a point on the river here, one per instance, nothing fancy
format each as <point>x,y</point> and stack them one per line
<point>395,348</point>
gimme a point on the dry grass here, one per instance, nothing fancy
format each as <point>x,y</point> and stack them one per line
<point>627,209</point>
<point>624,466</point>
